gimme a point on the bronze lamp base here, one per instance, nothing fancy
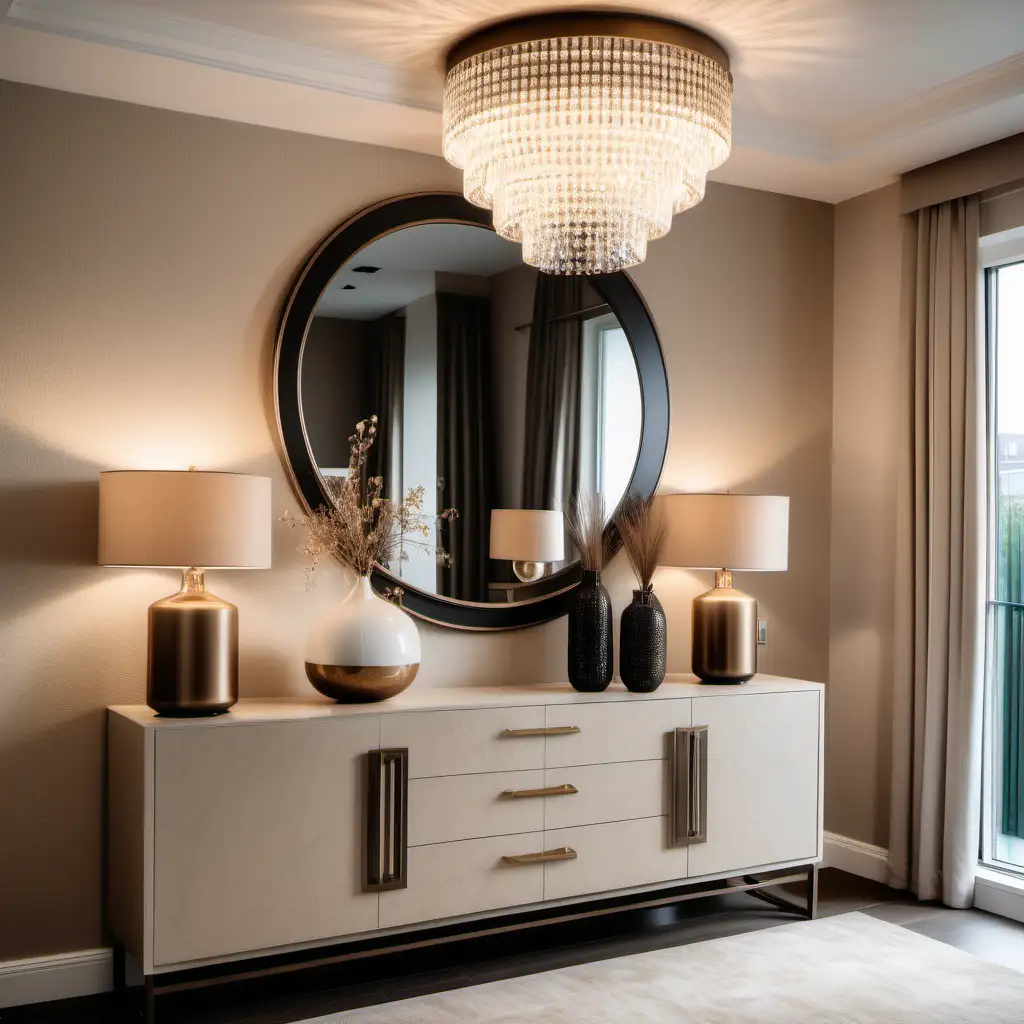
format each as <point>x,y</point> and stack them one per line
<point>724,633</point>
<point>193,651</point>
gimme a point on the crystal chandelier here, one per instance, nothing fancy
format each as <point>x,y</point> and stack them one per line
<point>585,133</point>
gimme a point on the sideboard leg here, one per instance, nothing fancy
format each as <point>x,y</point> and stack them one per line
<point>812,891</point>
<point>149,1013</point>
<point>118,967</point>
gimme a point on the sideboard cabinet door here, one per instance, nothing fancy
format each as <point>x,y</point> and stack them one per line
<point>763,778</point>
<point>258,836</point>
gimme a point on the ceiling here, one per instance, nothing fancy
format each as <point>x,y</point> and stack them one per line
<point>407,262</point>
<point>832,97</point>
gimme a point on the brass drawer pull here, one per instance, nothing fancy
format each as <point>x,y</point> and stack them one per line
<point>566,789</point>
<point>552,730</point>
<point>562,853</point>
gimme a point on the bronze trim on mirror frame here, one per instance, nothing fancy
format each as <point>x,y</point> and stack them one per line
<point>359,231</point>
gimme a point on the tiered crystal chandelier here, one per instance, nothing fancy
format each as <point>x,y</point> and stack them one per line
<point>585,133</point>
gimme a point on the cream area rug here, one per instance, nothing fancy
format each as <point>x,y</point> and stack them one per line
<point>851,969</point>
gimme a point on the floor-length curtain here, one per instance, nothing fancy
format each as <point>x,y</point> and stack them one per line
<point>938,682</point>
<point>465,450</point>
<point>551,449</point>
<point>387,382</point>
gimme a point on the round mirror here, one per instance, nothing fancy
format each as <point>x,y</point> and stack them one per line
<point>499,392</point>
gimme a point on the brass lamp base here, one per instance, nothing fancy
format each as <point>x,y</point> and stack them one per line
<point>193,651</point>
<point>724,633</point>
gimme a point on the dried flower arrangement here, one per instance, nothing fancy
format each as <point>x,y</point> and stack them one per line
<point>641,525</point>
<point>584,523</point>
<point>362,528</point>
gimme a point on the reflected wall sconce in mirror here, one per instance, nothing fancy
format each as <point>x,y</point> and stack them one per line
<point>190,521</point>
<point>531,539</point>
<point>726,532</point>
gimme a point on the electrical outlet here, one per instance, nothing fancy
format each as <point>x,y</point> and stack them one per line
<point>762,631</point>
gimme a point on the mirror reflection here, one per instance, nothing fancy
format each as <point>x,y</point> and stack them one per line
<point>502,392</point>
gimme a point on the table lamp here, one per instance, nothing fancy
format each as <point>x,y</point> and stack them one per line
<point>532,539</point>
<point>190,521</point>
<point>726,532</point>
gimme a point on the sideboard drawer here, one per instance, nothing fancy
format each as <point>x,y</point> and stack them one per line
<point>451,807</point>
<point>469,877</point>
<point>613,731</point>
<point>612,856</point>
<point>466,742</point>
<point>607,792</point>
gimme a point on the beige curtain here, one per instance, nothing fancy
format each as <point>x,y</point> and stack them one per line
<point>937,700</point>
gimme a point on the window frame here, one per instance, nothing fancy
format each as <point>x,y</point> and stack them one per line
<point>996,251</point>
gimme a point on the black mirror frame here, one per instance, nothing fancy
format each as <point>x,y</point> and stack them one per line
<point>617,290</point>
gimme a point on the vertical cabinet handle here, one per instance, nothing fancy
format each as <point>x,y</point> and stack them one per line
<point>387,820</point>
<point>689,768</point>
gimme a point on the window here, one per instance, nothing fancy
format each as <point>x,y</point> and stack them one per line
<point>1003,837</point>
<point>612,410</point>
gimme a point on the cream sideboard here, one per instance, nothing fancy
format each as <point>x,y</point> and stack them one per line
<point>250,833</point>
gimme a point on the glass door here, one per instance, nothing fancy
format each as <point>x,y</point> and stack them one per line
<point>1003,839</point>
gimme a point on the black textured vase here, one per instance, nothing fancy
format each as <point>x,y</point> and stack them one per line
<point>642,643</point>
<point>590,636</point>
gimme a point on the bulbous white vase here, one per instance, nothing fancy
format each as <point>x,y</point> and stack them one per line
<point>364,649</point>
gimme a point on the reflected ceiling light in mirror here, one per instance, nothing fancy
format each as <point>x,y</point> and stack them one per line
<point>585,133</point>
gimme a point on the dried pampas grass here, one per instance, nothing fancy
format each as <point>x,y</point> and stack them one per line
<point>584,523</point>
<point>641,525</point>
<point>360,527</point>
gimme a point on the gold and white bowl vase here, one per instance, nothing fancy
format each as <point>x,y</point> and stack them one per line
<point>364,649</point>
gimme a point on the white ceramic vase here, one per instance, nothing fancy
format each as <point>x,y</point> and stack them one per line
<point>364,649</point>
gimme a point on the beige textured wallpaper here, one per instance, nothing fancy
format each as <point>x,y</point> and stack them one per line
<point>870,431</point>
<point>144,257</point>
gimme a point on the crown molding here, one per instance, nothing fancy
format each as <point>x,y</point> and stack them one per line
<point>220,47</point>
<point>976,91</point>
<point>119,51</point>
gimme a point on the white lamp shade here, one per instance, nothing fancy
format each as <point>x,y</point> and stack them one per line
<point>527,535</point>
<point>183,519</point>
<point>726,531</point>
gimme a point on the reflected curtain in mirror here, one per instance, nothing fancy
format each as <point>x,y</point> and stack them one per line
<point>551,463</point>
<point>387,340</point>
<point>465,442</point>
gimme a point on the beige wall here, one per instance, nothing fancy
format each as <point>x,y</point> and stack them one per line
<point>870,423</point>
<point>145,256</point>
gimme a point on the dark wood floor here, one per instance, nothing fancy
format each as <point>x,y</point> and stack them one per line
<point>397,976</point>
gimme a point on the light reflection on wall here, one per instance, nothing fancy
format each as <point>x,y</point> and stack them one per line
<point>146,435</point>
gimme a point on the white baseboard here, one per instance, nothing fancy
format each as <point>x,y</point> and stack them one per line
<point>999,893</point>
<point>61,976</point>
<point>855,857</point>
